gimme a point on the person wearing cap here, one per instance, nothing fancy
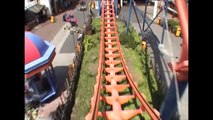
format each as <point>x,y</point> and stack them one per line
<point>73,21</point>
<point>65,17</point>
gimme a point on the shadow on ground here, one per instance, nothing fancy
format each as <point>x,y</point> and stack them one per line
<point>160,67</point>
<point>61,75</point>
<point>68,46</point>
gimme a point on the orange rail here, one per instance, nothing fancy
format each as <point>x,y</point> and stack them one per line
<point>110,56</point>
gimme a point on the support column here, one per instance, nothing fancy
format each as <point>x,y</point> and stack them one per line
<point>116,6</point>
<point>99,7</point>
<point>155,9</point>
<point>129,15</point>
<point>181,67</point>
<point>121,2</point>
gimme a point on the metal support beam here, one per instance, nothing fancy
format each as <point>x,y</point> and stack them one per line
<point>129,15</point>
<point>137,9</point>
<point>181,68</point>
<point>183,17</point>
<point>116,6</point>
<point>99,7</point>
<point>164,21</point>
<point>152,21</point>
<point>144,17</point>
<point>137,17</point>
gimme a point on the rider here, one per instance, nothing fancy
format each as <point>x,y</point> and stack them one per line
<point>73,21</point>
<point>82,2</point>
<point>65,17</point>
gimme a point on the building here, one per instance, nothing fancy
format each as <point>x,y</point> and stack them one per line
<point>56,6</point>
<point>34,13</point>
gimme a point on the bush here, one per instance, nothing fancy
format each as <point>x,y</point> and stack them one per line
<point>96,25</point>
<point>172,22</point>
<point>91,41</point>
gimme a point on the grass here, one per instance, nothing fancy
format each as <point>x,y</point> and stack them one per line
<point>143,75</point>
<point>137,70</point>
<point>141,70</point>
<point>137,62</point>
<point>87,79</point>
<point>96,24</point>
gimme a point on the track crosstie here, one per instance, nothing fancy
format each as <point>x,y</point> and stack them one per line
<point>113,71</point>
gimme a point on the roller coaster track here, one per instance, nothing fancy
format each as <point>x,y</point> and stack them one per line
<point>112,69</point>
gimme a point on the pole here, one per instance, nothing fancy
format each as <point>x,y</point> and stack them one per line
<point>183,17</point>
<point>155,9</point>
<point>116,7</point>
<point>144,17</point>
<point>164,20</point>
<point>137,18</point>
<point>121,1</point>
<point>130,9</point>
<point>99,7</point>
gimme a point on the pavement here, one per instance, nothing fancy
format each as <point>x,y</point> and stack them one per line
<point>63,40</point>
<point>65,51</point>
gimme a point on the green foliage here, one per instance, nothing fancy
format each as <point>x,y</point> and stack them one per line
<point>137,70</point>
<point>121,27</point>
<point>172,22</point>
<point>90,41</point>
<point>127,40</point>
<point>96,24</point>
<point>86,84</point>
<point>137,62</point>
<point>130,40</point>
<point>87,76</point>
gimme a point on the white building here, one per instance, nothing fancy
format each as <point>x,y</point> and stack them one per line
<point>29,3</point>
<point>47,5</point>
<point>34,13</point>
<point>36,7</point>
